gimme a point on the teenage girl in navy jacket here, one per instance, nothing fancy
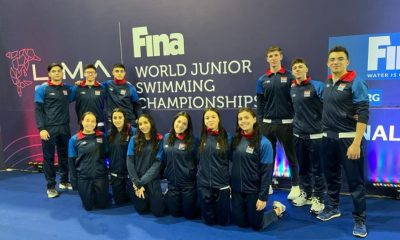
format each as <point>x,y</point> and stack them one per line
<point>120,134</point>
<point>180,152</point>
<point>144,166</point>
<point>251,174</point>
<point>213,172</point>
<point>87,152</point>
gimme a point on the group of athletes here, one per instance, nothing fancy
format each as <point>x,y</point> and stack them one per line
<point>320,126</point>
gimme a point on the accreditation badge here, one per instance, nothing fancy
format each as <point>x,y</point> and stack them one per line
<point>97,92</point>
<point>283,79</point>
<point>217,147</point>
<point>307,93</point>
<point>99,140</point>
<point>65,92</point>
<point>123,91</point>
<point>250,149</point>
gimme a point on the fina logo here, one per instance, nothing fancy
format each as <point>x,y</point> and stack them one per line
<point>381,48</point>
<point>172,44</point>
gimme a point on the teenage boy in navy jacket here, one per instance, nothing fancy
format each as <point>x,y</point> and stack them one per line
<point>52,119</point>
<point>307,128</point>
<point>345,96</point>
<point>275,112</point>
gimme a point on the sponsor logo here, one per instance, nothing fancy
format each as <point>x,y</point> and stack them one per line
<point>20,63</point>
<point>375,97</point>
<point>172,44</point>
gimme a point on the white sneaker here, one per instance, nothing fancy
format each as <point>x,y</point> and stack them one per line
<point>302,200</point>
<point>270,191</point>
<point>64,186</point>
<point>275,181</point>
<point>279,205</point>
<point>294,193</point>
<point>52,193</point>
<point>317,206</point>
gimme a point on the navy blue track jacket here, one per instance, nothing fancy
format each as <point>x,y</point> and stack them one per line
<point>342,100</point>
<point>146,167</point>
<point>123,94</point>
<point>307,104</point>
<point>213,170</point>
<point>52,105</point>
<point>252,168</point>
<point>180,164</point>
<point>273,95</point>
<point>118,149</point>
<point>88,153</point>
<point>90,99</point>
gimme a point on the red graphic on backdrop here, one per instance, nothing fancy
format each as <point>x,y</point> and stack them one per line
<point>20,62</point>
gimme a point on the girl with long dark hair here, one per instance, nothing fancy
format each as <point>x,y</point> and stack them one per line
<point>213,172</point>
<point>144,166</point>
<point>180,157</point>
<point>252,174</point>
<point>119,135</point>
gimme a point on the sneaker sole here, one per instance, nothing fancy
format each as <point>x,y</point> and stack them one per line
<point>64,188</point>
<point>360,235</point>
<point>292,198</point>
<point>327,219</point>
<point>316,212</point>
<point>300,205</point>
<point>53,196</point>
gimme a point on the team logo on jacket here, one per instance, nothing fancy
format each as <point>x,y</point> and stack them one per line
<point>307,93</point>
<point>65,92</point>
<point>123,91</point>
<point>284,79</point>
<point>250,149</point>
<point>182,146</point>
<point>341,87</point>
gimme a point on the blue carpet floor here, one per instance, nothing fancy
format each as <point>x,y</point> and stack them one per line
<point>27,213</point>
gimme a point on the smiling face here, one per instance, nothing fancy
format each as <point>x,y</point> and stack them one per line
<point>246,121</point>
<point>90,75</point>
<point>89,123</point>
<point>144,125</point>
<point>300,71</point>
<point>180,124</point>
<point>118,120</point>
<point>211,120</point>
<point>337,63</point>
